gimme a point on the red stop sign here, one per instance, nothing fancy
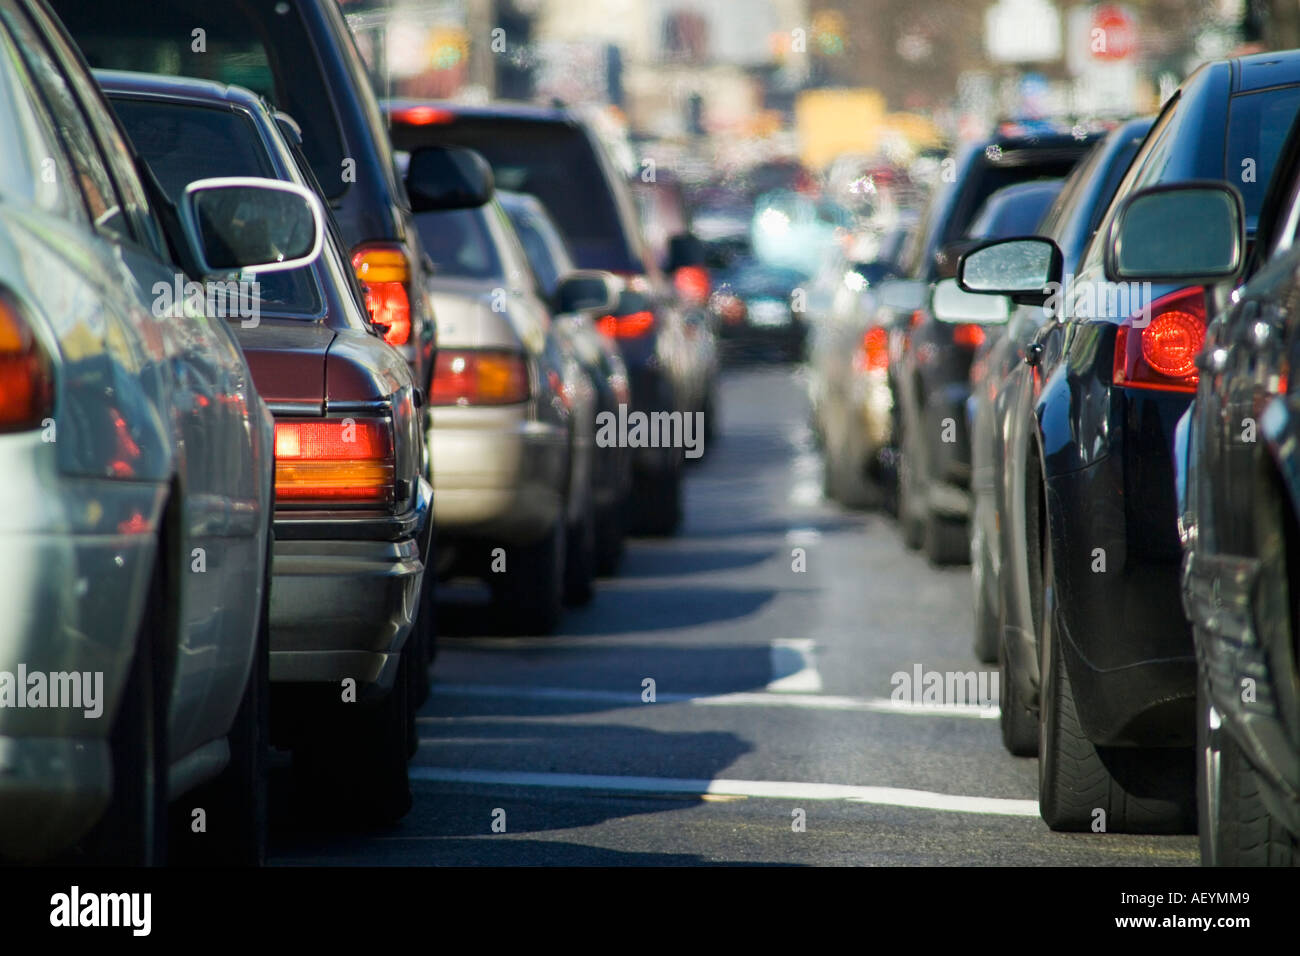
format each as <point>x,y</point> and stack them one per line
<point>1113,34</point>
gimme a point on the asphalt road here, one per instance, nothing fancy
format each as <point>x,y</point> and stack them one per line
<point>772,737</point>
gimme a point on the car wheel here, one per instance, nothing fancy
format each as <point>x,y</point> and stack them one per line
<point>235,803</point>
<point>946,540</point>
<point>580,558</point>
<point>611,537</point>
<point>909,504</point>
<point>1017,720</point>
<point>988,633</point>
<point>1082,787</point>
<point>133,829</point>
<point>354,763</point>
<point>531,589</point>
<point>657,501</point>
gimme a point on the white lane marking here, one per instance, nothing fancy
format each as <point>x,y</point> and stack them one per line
<point>880,705</point>
<point>792,661</point>
<point>773,789</point>
<point>799,536</point>
<point>805,494</point>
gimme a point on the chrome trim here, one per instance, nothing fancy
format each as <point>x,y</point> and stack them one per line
<point>376,405</point>
<point>316,409</point>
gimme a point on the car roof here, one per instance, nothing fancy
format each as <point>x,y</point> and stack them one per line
<point>186,88</point>
<point>1259,71</point>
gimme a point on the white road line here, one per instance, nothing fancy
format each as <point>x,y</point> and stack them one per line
<point>772,789</point>
<point>792,660</point>
<point>632,698</point>
<point>799,536</point>
<point>805,494</point>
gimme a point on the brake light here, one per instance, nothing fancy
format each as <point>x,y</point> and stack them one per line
<point>970,336</point>
<point>335,461</point>
<point>631,326</point>
<point>1162,355</point>
<point>873,353</point>
<point>917,318</point>
<point>479,378</point>
<point>26,382</point>
<point>384,272</point>
<point>693,284</point>
<point>422,115</point>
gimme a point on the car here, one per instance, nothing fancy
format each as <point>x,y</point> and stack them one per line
<point>544,151</point>
<point>353,525</point>
<point>758,310</point>
<point>1235,467</point>
<point>1116,667</point>
<point>513,424</point>
<point>303,58</point>
<point>552,265</point>
<point>931,359</point>
<point>848,379</point>
<point>138,457</point>
<point>1001,383</point>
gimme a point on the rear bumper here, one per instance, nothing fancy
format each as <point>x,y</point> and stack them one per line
<point>497,475</point>
<point>1219,595</point>
<point>342,608</point>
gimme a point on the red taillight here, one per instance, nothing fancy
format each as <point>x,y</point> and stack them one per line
<point>479,378</point>
<point>1162,354</point>
<point>26,384</point>
<point>729,308</point>
<point>629,326</point>
<point>422,115</point>
<point>383,270</point>
<point>334,461</point>
<point>873,353</point>
<point>967,335</point>
<point>917,318</point>
<point>693,284</point>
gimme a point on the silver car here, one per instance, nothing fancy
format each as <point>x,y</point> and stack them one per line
<point>512,434</point>
<point>137,455</point>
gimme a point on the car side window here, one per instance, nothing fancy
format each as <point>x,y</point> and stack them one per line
<point>112,143</point>
<point>33,168</point>
<point>97,189</point>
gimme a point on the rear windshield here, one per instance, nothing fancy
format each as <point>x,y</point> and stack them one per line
<point>556,163</point>
<point>1014,214</point>
<point>1257,127</point>
<point>258,44</point>
<point>459,244</point>
<point>987,178</point>
<point>184,143</point>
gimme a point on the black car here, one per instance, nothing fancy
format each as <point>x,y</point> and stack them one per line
<point>930,373</point>
<point>302,57</point>
<point>551,154</point>
<point>1236,465</point>
<point>1112,651</point>
<point>1001,384</point>
<point>756,310</point>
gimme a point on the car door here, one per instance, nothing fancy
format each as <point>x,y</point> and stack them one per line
<point>219,425</point>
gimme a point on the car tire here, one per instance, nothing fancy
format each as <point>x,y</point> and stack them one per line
<point>611,538</point>
<point>657,501</point>
<point>1017,721</point>
<point>1136,790</point>
<point>580,559</point>
<point>530,591</point>
<point>946,540</point>
<point>235,803</point>
<point>354,764</point>
<point>910,523</point>
<point>988,631</point>
<point>133,828</point>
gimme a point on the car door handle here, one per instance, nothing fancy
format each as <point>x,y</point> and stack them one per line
<point>1034,349</point>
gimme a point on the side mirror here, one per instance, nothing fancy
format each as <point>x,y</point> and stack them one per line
<point>1022,269</point>
<point>440,178</point>
<point>587,290</point>
<point>684,249</point>
<point>246,224</point>
<point>1188,233</point>
<point>951,304</point>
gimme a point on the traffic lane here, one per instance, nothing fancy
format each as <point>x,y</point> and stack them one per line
<point>713,614</point>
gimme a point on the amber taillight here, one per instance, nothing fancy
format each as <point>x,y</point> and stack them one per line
<point>26,380</point>
<point>384,272</point>
<point>335,461</point>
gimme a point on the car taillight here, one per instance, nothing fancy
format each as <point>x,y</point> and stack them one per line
<point>968,336</point>
<point>479,378</point>
<point>384,272</point>
<point>26,382</point>
<point>336,461</point>
<point>631,326</point>
<point>873,353</point>
<point>693,284</point>
<point>1161,355</point>
<point>422,115</point>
